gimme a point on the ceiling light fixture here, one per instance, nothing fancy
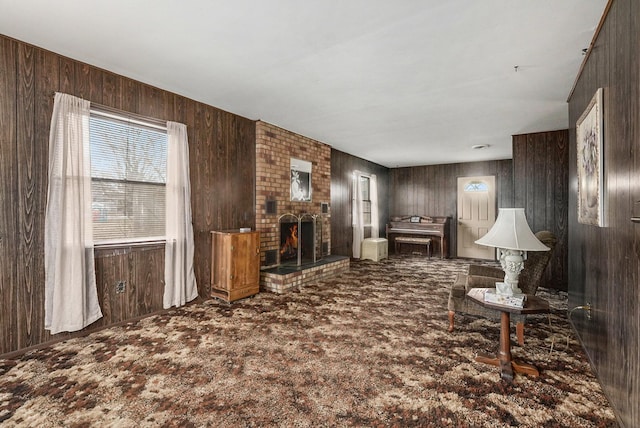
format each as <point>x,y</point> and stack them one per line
<point>479,146</point>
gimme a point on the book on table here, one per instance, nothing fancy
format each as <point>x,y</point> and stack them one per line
<point>515,300</point>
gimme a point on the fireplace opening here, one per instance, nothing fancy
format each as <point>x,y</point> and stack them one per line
<point>296,237</point>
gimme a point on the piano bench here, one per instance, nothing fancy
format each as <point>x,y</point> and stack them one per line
<point>413,241</point>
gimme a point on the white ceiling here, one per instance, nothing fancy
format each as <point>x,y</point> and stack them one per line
<point>400,83</point>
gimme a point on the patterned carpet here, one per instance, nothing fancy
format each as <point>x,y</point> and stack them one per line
<point>367,348</point>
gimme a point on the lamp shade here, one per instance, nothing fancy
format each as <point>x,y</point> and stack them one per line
<point>511,232</point>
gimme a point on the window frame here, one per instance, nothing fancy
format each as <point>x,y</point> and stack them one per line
<point>138,121</point>
<point>366,202</point>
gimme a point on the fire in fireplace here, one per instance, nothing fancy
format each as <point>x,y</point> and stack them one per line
<point>288,240</point>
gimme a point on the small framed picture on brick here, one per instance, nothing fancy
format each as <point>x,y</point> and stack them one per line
<point>300,180</point>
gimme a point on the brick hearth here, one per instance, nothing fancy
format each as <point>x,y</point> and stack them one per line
<point>280,279</point>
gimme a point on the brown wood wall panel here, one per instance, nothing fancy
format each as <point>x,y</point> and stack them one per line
<point>148,277</point>
<point>541,183</point>
<point>8,196</point>
<point>604,262</point>
<point>111,90</point>
<point>29,167</point>
<point>48,66</point>
<point>432,190</point>
<point>82,83</point>
<point>222,163</point>
<point>142,270</point>
<point>111,268</point>
<point>342,167</point>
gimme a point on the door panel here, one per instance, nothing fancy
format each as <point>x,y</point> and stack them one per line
<point>476,215</point>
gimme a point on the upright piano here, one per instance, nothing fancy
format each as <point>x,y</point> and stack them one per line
<point>435,227</point>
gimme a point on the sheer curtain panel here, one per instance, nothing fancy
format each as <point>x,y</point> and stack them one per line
<point>357,214</point>
<point>373,190</point>
<point>71,298</point>
<point>179,277</point>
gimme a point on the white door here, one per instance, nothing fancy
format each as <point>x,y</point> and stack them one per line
<point>476,215</point>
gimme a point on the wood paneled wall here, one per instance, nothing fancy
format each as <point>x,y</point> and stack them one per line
<point>222,153</point>
<point>604,262</point>
<point>432,190</point>
<point>541,184</point>
<point>342,167</point>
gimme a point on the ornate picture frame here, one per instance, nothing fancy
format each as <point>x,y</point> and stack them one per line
<point>589,138</point>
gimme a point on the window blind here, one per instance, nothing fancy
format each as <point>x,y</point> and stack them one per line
<point>128,178</point>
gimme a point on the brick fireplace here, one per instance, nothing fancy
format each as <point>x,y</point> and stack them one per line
<point>275,147</point>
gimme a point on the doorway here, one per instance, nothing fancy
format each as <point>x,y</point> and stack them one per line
<point>476,215</point>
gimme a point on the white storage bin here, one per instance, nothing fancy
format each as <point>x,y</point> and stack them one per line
<point>374,249</point>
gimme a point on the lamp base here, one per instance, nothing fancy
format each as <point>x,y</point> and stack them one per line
<point>512,262</point>
<point>506,289</point>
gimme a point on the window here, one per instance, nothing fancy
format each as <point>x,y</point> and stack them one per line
<point>476,186</point>
<point>128,178</point>
<point>365,189</point>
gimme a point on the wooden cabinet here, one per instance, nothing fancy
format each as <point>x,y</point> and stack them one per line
<point>235,264</point>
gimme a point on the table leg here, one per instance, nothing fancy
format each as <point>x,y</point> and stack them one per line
<point>503,360</point>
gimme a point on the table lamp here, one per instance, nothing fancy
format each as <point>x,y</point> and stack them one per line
<point>512,236</point>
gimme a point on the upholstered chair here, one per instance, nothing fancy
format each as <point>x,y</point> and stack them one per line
<point>486,277</point>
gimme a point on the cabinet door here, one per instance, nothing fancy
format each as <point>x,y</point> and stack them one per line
<point>221,261</point>
<point>245,256</point>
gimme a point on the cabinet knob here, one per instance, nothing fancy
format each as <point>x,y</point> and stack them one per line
<point>230,276</point>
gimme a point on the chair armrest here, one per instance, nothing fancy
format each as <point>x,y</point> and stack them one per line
<point>486,271</point>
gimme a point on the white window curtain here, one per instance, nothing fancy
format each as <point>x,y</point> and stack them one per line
<point>357,217</point>
<point>357,214</point>
<point>71,297</point>
<point>179,277</point>
<point>373,194</point>
<point>357,210</point>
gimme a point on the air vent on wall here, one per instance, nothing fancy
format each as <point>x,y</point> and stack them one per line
<point>271,206</point>
<point>270,257</point>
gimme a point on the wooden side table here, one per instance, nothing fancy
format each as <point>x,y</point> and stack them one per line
<point>503,360</point>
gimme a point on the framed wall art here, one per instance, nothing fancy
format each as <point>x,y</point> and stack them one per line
<point>300,180</point>
<point>589,137</point>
